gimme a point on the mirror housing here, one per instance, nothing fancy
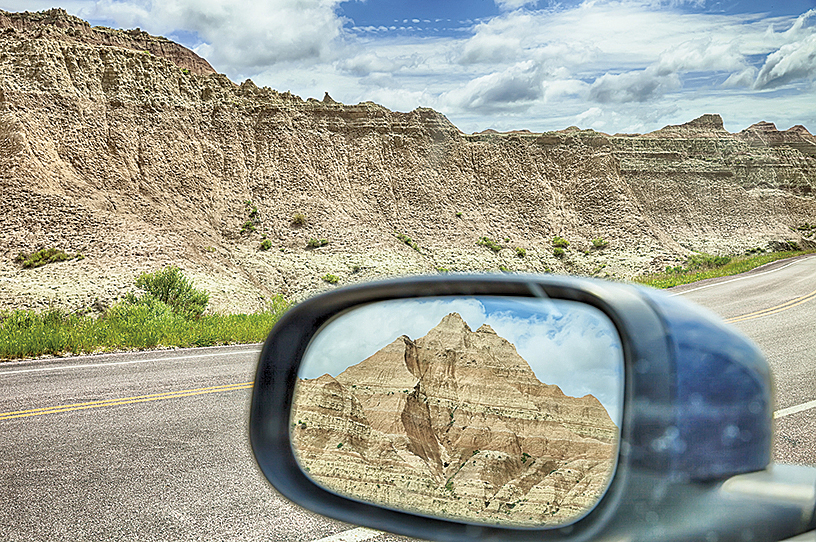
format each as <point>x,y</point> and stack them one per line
<point>697,408</point>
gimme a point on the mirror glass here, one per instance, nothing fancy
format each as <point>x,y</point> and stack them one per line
<point>500,410</point>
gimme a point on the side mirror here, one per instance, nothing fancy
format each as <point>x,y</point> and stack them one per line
<point>522,408</point>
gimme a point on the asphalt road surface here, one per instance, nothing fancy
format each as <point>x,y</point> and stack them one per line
<point>153,445</point>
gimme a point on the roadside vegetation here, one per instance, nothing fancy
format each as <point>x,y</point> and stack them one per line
<point>45,256</point>
<point>167,312</point>
<point>704,266</point>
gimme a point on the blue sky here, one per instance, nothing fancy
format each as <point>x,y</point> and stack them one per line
<point>610,65</point>
<point>572,345</point>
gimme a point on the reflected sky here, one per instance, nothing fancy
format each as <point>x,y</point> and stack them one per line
<point>570,344</point>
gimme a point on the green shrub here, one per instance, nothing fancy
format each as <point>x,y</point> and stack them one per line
<point>504,269</point>
<point>43,257</point>
<point>331,279</point>
<point>248,227</point>
<point>458,214</point>
<point>443,270</point>
<point>599,243</point>
<point>299,219</point>
<point>558,252</point>
<point>407,240</point>
<point>560,242</point>
<point>521,252</point>
<point>316,243</point>
<point>171,287</point>
<point>266,244</point>
<point>489,243</point>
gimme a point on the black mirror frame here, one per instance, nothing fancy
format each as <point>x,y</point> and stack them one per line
<point>647,408</point>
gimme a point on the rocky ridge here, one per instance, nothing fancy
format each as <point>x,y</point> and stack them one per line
<point>138,160</point>
<point>456,423</point>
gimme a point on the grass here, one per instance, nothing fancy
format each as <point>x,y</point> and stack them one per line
<point>45,256</point>
<point>128,326</point>
<point>560,242</point>
<point>316,243</point>
<point>331,279</point>
<point>408,241</point>
<point>489,243</point>
<point>703,266</point>
<point>168,313</point>
<point>599,243</point>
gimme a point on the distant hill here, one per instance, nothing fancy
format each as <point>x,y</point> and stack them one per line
<point>128,149</point>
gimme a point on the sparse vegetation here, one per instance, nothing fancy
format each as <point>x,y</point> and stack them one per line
<point>443,270</point>
<point>209,249</point>
<point>266,244</point>
<point>521,252</point>
<point>44,257</point>
<point>316,243</point>
<point>299,219</point>
<point>489,243</point>
<point>331,279</point>
<point>599,243</point>
<point>408,241</point>
<point>560,242</point>
<point>703,266</point>
<point>252,223</point>
<point>504,269</point>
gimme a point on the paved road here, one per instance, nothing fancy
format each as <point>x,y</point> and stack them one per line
<point>776,307</point>
<point>148,446</point>
<point>153,446</point>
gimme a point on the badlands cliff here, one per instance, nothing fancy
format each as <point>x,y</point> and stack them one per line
<point>455,423</point>
<point>128,149</point>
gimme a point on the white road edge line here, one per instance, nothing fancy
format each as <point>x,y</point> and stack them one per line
<point>354,535</point>
<point>735,280</point>
<point>169,358</point>
<point>794,409</point>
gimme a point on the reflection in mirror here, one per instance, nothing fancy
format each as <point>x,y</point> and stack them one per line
<point>485,409</point>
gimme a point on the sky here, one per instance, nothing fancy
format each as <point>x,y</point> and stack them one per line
<point>570,344</point>
<point>616,66</point>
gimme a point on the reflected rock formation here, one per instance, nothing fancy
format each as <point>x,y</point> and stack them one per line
<point>455,424</point>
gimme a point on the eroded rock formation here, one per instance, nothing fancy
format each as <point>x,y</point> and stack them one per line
<point>455,423</point>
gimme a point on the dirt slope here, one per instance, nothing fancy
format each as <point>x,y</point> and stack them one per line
<point>139,159</point>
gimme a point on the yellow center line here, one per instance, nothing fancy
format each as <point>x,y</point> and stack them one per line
<point>123,400</point>
<point>773,310</point>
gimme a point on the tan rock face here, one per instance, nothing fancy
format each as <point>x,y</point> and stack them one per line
<point>455,423</point>
<point>120,155</point>
<point>57,24</point>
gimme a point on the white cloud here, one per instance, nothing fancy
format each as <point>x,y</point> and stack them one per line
<point>240,37</point>
<point>514,87</point>
<point>514,4</point>
<point>792,62</point>
<point>370,62</point>
<point>635,86</point>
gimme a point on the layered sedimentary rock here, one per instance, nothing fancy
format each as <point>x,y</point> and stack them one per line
<point>455,423</point>
<point>125,148</point>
